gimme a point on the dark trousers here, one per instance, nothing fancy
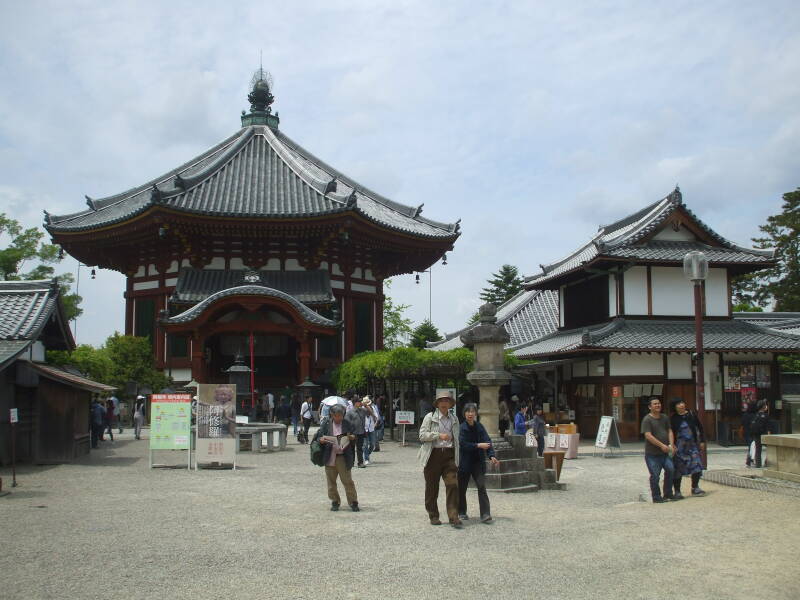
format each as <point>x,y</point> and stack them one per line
<point>360,447</point>
<point>97,429</point>
<point>757,440</point>
<point>540,444</point>
<point>747,441</point>
<point>480,482</point>
<point>306,427</point>
<point>441,464</point>
<point>677,482</point>
<point>655,464</point>
<point>503,425</point>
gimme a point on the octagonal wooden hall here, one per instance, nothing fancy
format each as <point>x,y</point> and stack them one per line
<point>254,240</point>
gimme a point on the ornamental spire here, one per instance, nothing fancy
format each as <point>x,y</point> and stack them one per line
<point>261,99</point>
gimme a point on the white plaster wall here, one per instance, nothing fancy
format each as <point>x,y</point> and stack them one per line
<point>596,368</point>
<point>37,351</point>
<point>669,234</point>
<point>679,366</point>
<point>292,264</point>
<point>717,293</point>
<point>357,273</point>
<point>273,264</point>
<point>173,267</point>
<point>635,284</point>
<point>181,374</point>
<point>336,270</point>
<point>635,364</point>
<point>673,294</point>
<point>151,270</point>
<point>360,287</point>
<point>747,356</point>
<point>217,262</point>
<point>368,275</point>
<point>237,263</point>
<point>612,296</point>
<point>561,305</point>
<point>145,285</point>
<point>171,281</point>
<point>580,369</point>
<point>185,263</point>
<point>335,283</point>
<point>140,272</point>
<point>323,265</point>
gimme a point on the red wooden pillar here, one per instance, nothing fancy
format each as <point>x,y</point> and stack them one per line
<point>305,357</point>
<point>198,360</point>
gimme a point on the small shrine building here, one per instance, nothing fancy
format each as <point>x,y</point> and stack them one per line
<point>258,248</point>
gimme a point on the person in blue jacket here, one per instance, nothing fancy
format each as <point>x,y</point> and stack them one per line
<point>520,420</point>
<point>475,448</point>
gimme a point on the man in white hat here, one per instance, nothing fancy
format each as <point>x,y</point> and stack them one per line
<point>438,456</point>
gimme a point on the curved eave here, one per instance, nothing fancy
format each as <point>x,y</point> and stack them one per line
<point>252,291</point>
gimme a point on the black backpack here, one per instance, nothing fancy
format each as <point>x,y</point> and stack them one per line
<point>317,453</point>
<point>758,426</point>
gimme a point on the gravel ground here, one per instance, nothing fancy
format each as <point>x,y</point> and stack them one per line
<point>109,527</point>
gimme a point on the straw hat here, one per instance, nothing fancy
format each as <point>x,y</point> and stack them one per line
<point>445,396</point>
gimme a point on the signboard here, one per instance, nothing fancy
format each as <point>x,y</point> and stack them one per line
<point>404,417</point>
<point>170,421</point>
<point>550,440</point>
<point>607,434</point>
<point>563,440</point>
<point>530,439</point>
<point>14,415</point>
<point>216,424</point>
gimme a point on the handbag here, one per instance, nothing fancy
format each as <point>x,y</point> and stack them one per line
<point>317,453</point>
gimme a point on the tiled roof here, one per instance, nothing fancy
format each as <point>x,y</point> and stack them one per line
<point>627,238</point>
<point>787,322</point>
<point>529,315</point>
<point>11,349</point>
<point>662,335</point>
<point>257,172</point>
<point>253,290</point>
<point>70,379</point>
<point>25,307</point>
<point>309,287</point>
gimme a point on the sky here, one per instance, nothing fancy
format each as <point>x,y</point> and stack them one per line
<point>532,122</point>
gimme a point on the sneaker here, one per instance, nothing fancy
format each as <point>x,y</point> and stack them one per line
<point>677,496</point>
<point>354,507</point>
<point>334,506</point>
<point>366,462</point>
<point>463,517</point>
<point>360,465</point>
<point>435,521</point>
<point>486,519</point>
<point>698,492</point>
<point>659,500</point>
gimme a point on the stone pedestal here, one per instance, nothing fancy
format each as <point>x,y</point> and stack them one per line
<point>488,340</point>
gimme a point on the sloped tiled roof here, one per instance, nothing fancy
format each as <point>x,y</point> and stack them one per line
<point>527,316</point>
<point>309,287</point>
<point>256,172</point>
<point>25,307</point>
<point>252,290</point>
<point>662,335</point>
<point>11,349</point>
<point>787,322</point>
<point>628,238</point>
<point>56,374</point>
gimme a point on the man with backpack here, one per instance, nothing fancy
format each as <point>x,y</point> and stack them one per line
<point>336,437</point>
<point>758,427</point>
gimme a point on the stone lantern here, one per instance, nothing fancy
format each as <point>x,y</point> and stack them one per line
<point>488,340</point>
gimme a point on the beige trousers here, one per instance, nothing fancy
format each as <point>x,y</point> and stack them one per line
<point>340,470</point>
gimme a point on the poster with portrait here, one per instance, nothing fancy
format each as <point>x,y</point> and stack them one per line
<point>733,381</point>
<point>216,424</point>
<point>749,395</point>
<point>762,376</point>
<point>747,375</point>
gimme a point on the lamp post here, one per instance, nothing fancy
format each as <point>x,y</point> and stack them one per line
<point>695,267</point>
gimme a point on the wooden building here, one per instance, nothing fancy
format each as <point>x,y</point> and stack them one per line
<point>626,325</point>
<point>52,404</point>
<point>254,247</point>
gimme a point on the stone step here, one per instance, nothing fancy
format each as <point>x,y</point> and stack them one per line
<point>515,464</point>
<point>523,489</point>
<point>510,479</point>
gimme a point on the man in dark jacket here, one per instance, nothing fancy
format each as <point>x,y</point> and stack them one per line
<point>759,427</point>
<point>748,414</point>
<point>336,436</point>
<point>475,448</point>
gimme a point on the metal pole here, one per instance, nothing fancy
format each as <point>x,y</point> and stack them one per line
<point>252,374</point>
<point>700,397</point>
<point>13,455</point>
<point>430,295</point>
<point>77,293</point>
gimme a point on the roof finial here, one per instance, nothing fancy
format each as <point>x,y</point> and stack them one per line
<point>676,195</point>
<point>261,99</point>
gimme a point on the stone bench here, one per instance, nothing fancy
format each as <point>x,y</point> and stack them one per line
<point>257,432</point>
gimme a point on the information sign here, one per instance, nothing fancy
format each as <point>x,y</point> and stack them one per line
<point>607,434</point>
<point>404,417</point>
<point>170,421</point>
<point>530,439</point>
<point>216,424</point>
<point>14,416</point>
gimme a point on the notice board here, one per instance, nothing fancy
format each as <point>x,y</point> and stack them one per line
<point>216,424</point>
<point>607,434</point>
<point>170,421</point>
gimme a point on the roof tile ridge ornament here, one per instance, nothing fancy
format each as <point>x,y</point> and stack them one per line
<point>418,211</point>
<point>331,187</point>
<point>352,201</point>
<point>457,226</point>
<point>47,219</point>
<point>156,196</point>
<point>90,203</point>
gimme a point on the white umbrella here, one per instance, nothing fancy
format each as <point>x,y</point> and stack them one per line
<point>331,400</point>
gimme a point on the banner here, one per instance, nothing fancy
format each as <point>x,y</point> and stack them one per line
<point>170,421</point>
<point>216,424</point>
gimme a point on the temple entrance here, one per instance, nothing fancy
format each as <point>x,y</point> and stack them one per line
<point>274,357</point>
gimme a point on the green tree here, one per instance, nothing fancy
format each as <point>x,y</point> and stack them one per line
<point>779,284</point>
<point>424,332</point>
<point>26,245</point>
<point>396,327</point>
<point>504,285</point>
<point>92,362</point>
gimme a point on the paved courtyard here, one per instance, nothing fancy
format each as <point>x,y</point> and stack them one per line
<point>109,527</point>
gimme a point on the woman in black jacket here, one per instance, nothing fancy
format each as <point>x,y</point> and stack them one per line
<point>690,442</point>
<point>475,448</point>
